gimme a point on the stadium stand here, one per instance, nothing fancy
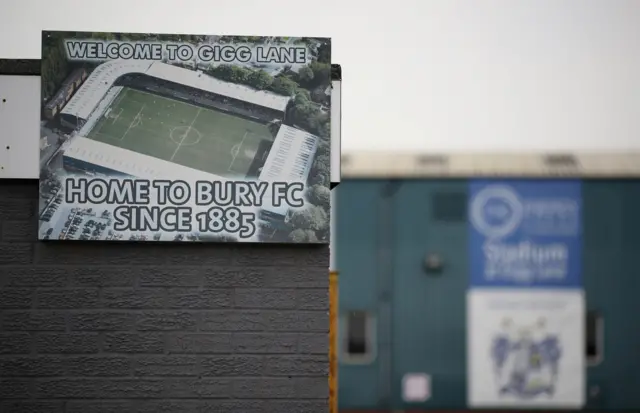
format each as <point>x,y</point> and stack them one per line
<point>178,83</point>
<point>290,159</point>
<point>291,156</point>
<point>69,86</point>
<point>88,155</point>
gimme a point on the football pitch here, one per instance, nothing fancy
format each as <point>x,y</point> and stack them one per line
<point>181,133</point>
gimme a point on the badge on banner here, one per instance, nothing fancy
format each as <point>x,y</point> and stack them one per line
<point>526,349</point>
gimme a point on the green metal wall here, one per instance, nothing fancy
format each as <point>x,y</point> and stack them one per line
<point>384,232</point>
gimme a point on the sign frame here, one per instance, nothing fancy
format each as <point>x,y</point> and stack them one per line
<point>162,137</point>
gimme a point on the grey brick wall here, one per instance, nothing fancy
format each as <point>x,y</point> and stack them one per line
<point>154,328</point>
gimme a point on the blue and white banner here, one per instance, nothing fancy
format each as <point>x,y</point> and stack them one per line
<point>525,234</point>
<point>525,306</point>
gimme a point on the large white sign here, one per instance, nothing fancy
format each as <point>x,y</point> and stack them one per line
<point>525,348</point>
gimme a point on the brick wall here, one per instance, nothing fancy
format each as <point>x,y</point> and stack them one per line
<point>152,328</point>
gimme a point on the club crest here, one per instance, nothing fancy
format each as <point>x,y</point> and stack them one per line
<point>525,360</point>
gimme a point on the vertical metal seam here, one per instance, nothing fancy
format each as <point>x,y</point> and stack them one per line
<point>385,290</point>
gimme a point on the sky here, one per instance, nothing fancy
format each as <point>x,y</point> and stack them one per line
<point>421,75</point>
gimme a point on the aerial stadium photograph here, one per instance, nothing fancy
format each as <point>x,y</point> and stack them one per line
<point>192,120</point>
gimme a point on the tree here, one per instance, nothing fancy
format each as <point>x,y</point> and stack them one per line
<point>231,73</point>
<point>102,36</point>
<point>321,74</point>
<point>305,75</point>
<point>320,195</point>
<point>286,71</point>
<point>240,74</point>
<point>260,79</point>
<point>319,178</point>
<point>306,114</point>
<point>324,53</point>
<point>303,235</point>
<point>55,66</point>
<point>169,37</point>
<point>324,147</point>
<point>315,74</point>
<point>313,217</point>
<point>284,86</point>
<point>324,129</point>
<point>302,111</point>
<point>135,36</point>
<point>318,95</point>
<point>321,164</point>
<point>45,173</point>
<point>302,96</point>
<point>320,170</point>
<point>317,119</point>
<point>223,72</point>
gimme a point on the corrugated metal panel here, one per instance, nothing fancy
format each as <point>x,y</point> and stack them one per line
<point>410,165</point>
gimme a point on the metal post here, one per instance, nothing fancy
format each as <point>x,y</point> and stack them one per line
<point>333,310</point>
<point>336,110</point>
